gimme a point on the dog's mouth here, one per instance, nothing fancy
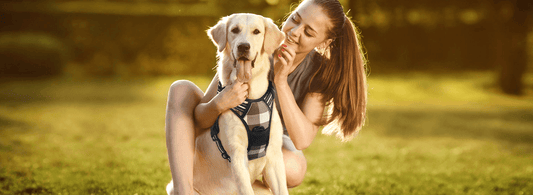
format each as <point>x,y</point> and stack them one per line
<point>243,66</point>
<point>244,59</point>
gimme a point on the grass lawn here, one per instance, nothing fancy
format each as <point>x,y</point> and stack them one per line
<point>425,134</point>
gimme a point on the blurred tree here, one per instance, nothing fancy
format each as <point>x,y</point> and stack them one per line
<point>167,36</point>
<point>31,55</point>
<point>511,30</point>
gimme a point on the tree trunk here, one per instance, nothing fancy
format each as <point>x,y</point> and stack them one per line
<point>511,43</point>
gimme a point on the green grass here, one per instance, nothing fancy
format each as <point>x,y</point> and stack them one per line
<point>425,134</point>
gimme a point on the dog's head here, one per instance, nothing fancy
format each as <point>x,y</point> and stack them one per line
<point>243,37</point>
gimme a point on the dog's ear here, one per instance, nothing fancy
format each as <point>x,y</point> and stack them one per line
<point>217,34</point>
<point>273,36</point>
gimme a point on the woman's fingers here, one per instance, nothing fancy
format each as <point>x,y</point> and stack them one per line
<point>282,66</point>
<point>289,50</point>
<point>287,56</point>
<point>243,92</point>
<point>234,94</point>
<point>245,87</point>
<point>282,60</point>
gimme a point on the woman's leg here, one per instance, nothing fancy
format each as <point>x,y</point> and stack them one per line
<point>295,166</point>
<point>183,96</point>
<point>295,163</point>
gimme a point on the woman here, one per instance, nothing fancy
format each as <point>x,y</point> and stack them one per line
<point>320,65</point>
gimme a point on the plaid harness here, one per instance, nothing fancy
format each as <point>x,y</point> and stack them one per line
<point>255,116</point>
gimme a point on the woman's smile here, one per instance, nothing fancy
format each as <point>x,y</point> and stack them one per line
<point>290,41</point>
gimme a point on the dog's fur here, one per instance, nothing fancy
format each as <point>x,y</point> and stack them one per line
<point>212,173</point>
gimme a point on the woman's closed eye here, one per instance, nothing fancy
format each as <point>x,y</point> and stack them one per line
<point>297,21</point>
<point>307,33</point>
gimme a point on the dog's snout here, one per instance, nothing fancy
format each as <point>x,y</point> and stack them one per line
<point>244,47</point>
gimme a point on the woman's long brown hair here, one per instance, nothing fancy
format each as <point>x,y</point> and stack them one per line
<point>341,76</point>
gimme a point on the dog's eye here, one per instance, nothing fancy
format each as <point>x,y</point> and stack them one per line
<point>235,30</point>
<point>256,32</point>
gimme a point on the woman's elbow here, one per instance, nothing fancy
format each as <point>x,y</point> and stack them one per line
<point>305,141</point>
<point>199,117</point>
<point>203,125</point>
<point>302,144</point>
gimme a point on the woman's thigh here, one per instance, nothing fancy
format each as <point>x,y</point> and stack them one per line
<point>183,96</point>
<point>295,163</point>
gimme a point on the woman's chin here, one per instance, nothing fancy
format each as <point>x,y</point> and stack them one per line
<point>290,44</point>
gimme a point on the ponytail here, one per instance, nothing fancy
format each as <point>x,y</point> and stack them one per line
<point>341,78</point>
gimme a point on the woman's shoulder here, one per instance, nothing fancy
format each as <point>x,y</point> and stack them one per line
<point>314,61</point>
<point>316,58</point>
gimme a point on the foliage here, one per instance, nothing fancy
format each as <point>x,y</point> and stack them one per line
<point>31,55</point>
<point>163,37</point>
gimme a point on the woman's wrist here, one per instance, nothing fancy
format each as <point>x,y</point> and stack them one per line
<point>219,107</point>
<point>280,80</point>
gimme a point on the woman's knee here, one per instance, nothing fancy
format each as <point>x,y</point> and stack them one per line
<point>184,94</point>
<point>295,168</point>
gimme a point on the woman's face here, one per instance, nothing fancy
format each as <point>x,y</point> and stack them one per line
<point>306,28</point>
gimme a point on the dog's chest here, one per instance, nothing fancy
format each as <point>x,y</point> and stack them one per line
<point>256,117</point>
<point>255,114</point>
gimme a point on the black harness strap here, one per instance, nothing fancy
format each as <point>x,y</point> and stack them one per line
<point>214,136</point>
<point>258,137</point>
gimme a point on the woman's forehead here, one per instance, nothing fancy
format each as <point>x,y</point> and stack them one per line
<point>314,16</point>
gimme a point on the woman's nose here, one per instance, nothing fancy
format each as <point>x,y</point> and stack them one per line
<point>295,32</point>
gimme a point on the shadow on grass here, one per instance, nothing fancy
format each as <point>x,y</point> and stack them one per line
<point>7,122</point>
<point>18,182</point>
<point>10,145</point>
<point>34,190</point>
<point>15,100</point>
<point>15,93</point>
<point>513,126</point>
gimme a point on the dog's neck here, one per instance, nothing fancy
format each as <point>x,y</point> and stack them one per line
<point>258,84</point>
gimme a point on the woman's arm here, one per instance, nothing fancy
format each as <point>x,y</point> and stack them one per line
<point>207,110</point>
<point>213,104</point>
<point>300,123</point>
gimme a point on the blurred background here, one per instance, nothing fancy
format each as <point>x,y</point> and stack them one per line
<point>83,86</point>
<point>167,37</point>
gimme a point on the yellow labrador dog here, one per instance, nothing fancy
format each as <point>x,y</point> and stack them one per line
<point>239,149</point>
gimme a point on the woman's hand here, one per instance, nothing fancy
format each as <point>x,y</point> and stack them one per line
<point>231,96</point>
<point>283,63</point>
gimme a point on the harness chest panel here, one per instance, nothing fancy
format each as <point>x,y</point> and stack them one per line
<point>255,115</point>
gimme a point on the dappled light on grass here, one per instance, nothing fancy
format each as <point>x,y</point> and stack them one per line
<point>444,91</point>
<point>425,134</point>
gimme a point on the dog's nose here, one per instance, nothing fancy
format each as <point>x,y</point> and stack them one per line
<point>244,47</point>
